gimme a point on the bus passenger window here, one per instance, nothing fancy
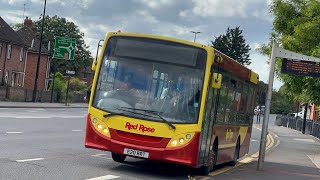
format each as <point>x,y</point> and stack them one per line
<point>222,104</point>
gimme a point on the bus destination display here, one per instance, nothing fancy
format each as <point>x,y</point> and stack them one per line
<point>300,67</point>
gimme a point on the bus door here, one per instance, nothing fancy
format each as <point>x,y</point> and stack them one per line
<point>207,126</point>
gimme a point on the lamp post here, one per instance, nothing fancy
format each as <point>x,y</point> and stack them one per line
<point>34,95</point>
<point>195,34</point>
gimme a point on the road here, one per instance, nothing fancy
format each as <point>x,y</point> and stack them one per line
<point>49,144</point>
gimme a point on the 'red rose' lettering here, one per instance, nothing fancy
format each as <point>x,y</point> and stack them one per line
<point>141,127</point>
<point>146,129</point>
<point>130,126</point>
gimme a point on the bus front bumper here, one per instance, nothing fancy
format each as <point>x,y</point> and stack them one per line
<point>185,155</point>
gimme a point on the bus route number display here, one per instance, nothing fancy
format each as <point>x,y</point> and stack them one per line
<point>300,67</point>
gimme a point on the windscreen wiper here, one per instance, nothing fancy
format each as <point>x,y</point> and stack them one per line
<point>144,110</point>
<point>113,114</point>
<point>164,120</point>
<point>157,113</point>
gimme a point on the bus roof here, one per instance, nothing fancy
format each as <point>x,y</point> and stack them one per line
<point>236,69</point>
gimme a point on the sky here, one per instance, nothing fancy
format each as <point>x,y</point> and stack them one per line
<point>172,18</point>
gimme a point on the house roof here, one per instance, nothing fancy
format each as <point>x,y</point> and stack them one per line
<point>27,35</point>
<point>8,34</point>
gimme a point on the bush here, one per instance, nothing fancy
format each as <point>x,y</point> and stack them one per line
<point>60,87</point>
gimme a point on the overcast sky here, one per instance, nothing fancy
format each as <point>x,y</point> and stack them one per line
<point>173,18</point>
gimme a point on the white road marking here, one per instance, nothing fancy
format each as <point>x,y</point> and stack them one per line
<point>253,140</point>
<point>41,117</point>
<point>69,116</point>
<point>305,140</point>
<point>27,160</point>
<point>76,130</point>
<point>12,132</point>
<point>104,177</point>
<point>315,159</point>
<point>101,156</point>
<point>31,117</point>
<point>257,128</point>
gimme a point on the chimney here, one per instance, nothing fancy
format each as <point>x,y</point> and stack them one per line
<point>28,23</point>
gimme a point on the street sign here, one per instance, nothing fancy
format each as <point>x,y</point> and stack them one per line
<point>300,67</point>
<point>64,48</point>
<point>70,72</point>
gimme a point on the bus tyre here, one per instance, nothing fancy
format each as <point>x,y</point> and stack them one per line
<point>236,153</point>
<point>205,170</point>
<point>118,157</point>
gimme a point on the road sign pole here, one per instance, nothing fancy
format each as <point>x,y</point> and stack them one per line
<point>54,76</point>
<point>267,112</point>
<point>68,90</point>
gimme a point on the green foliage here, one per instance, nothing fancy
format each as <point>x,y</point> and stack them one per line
<point>57,26</point>
<point>296,28</point>
<point>281,103</point>
<point>17,26</point>
<point>76,85</point>
<point>59,82</point>
<point>234,45</point>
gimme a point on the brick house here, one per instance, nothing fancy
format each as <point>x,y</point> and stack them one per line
<point>12,56</point>
<point>28,35</point>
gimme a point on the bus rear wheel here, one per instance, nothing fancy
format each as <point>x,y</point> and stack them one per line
<point>118,157</point>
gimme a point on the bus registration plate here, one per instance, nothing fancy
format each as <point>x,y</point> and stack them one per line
<point>137,153</point>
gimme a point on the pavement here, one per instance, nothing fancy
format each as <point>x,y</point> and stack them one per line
<point>4,104</point>
<point>295,156</point>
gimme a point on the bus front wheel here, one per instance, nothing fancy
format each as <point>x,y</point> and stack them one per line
<point>118,157</point>
<point>205,170</point>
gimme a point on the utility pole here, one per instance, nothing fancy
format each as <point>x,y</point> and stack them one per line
<point>195,34</point>
<point>35,88</point>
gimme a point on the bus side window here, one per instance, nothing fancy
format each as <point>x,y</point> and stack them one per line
<point>222,104</point>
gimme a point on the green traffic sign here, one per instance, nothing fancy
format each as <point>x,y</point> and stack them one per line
<point>64,48</point>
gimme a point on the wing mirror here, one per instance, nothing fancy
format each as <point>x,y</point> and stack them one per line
<point>95,60</point>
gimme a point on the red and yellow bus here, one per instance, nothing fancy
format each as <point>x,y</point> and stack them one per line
<point>170,100</point>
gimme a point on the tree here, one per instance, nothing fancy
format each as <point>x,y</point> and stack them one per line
<point>296,27</point>
<point>234,45</point>
<point>56,26</point>
<point>16,26</point>
<point>281,103</point>
<point>60,85</point>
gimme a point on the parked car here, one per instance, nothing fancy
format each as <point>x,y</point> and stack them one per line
<point>300,114</point>
<point>256,110</point>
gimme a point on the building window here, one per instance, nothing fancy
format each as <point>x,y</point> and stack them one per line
<point>9,52</point>
<point>6,77</point>
<point>0,49</point>
<point>21,54</point>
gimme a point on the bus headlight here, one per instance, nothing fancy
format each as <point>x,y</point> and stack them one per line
<point>100,126</point>
<point>180,140</point>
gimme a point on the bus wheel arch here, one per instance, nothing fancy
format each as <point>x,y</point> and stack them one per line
<point>236,152</point>
<point>215,150</point>
<point>213,154</point>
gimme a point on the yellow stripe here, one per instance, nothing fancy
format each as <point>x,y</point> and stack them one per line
<point>242,132</point>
